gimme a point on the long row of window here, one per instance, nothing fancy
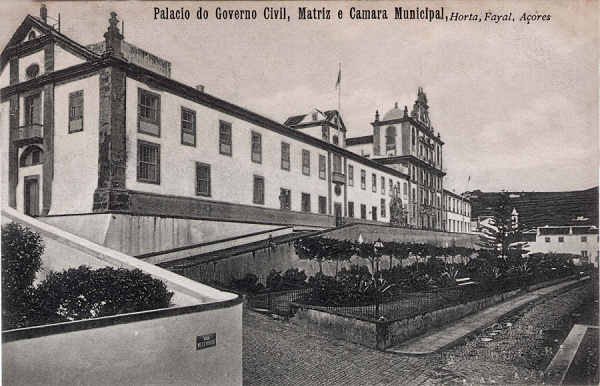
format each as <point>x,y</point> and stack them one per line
<point>363,210</point>
<point>561,239</point>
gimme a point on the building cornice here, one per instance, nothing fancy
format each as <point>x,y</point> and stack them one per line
<point>409,158</point>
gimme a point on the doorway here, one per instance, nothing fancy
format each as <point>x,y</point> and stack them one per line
<point>31,195</point>
<point>337,209</point>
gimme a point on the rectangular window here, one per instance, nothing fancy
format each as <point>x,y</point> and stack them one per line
<point>350,175</point>
<point>383,207</point>
<point>148,167</point>
<point>305,202</point>
<point>336,140</point>
<point>383,185</point>
<point>337,163</point>
<point>225,143</point>
<point>322,205</point>
<point>363,211</point>
<point>285,199</point>
<point>188,127</point>
<point>33,109</point>
<point>374,182</point>
<point>325,134</point>
<point>584,254</point>
<point>259,190</point>
<point>391,186</point>
<point>547,239</point>
<point>561,239</point>
<point>285,156</point>
<point>374,213</point>
<point>202,179</point>
<point>148,112</point>
<point>584,239</point>
<point>405,189</point>
<point>322,167</point>
<point>306,162</point>
<point>350,209</point>
<point>363,179</point>
<point>256,147</point>
<point>76,111</point>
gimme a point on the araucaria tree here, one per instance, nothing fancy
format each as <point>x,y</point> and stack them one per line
<point>498,232</point>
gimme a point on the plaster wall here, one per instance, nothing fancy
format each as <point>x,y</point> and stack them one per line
<point>75,154</point>
<point>26,61</point>
<point>231,176</point>
<point>64,59</point>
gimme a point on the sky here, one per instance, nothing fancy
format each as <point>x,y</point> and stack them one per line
<point>516,104</point>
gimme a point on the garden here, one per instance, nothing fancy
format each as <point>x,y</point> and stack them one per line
<point>73,294</point>
<point>417,277</point>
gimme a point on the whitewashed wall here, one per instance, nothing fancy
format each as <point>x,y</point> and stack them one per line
<point>75,154</point>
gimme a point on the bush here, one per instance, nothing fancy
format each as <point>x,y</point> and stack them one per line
<point>21,260</point>
<point>294,278</point>
<point>275,280</point>
<point>83,293</point>
<point>248,283</point>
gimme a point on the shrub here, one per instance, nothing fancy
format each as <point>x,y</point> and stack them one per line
<point>83,293</point>
<point>294,278</point>
<point>248,283</point>
<point>275,280</point>
<point>21,260</point>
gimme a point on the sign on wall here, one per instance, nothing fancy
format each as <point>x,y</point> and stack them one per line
<point>205,341</point>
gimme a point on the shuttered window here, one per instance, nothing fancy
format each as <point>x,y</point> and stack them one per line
<point>188,127</point>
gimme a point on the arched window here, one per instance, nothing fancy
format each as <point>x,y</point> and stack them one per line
<point>390,138</point>
<point>33,155</point>
<point>32,71</point>
<point>32,35</point>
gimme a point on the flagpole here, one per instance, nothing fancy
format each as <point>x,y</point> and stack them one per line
<point>339,88</point>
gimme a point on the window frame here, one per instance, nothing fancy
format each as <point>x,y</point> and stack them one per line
<point>350,175</point>
<point>363,179</point>
<point>305,162</point>
<point>191,131</point>
<point>285,145</point>
<point>285,192</point>
<point>322,205</point>
<point>253,135</point>
<point>350,208</point>
<point>72,118</point>
<point>322,167</point>
<point>374,182</point>
<point>382,208</point>
<point>256,199</point>
<point>140,144</point>
<point>155,121</point>
<point>225,126</point>
<point>305,202</point>
<point>208,193</point>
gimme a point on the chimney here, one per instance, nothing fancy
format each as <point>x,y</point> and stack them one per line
<point>113,37</point>
<point>200,87</point>
<point>44,13</point>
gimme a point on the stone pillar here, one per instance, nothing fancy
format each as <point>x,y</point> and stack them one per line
<point>13,152</point>
<point>110,193</point>
<point>48,167</point>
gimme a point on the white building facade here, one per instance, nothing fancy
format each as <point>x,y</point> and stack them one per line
<point>105,129</point>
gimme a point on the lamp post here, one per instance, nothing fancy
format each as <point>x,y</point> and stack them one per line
<point>377,248</point>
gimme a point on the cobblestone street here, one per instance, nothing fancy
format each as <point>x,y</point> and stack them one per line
<point>280,353</point>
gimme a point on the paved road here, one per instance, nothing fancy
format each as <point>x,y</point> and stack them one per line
<point>281,353</point>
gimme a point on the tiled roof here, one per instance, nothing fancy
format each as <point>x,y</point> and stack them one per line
<point>359,140</point>
<point>538,209</point>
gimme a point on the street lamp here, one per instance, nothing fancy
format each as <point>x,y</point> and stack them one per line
<point>377,248</point>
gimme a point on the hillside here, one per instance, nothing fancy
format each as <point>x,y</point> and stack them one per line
<point>543,208</point>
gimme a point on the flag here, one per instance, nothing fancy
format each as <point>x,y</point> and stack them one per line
<point>339,78</point>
